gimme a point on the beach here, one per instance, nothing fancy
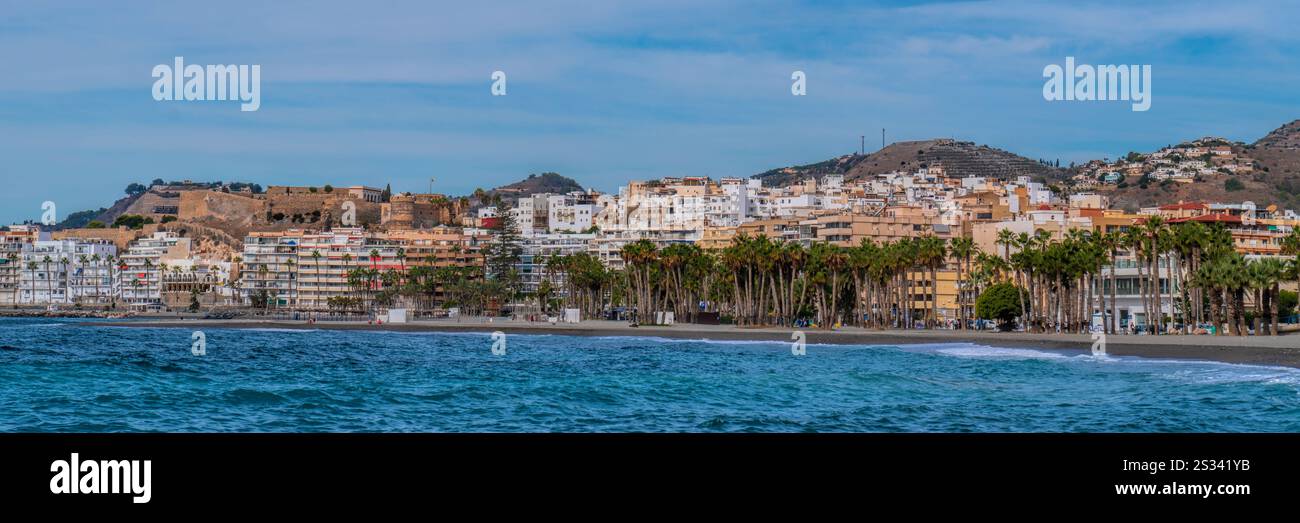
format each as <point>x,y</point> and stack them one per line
<point>1253,350</point>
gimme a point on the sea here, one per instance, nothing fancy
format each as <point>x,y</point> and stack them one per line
<point>57,375</point>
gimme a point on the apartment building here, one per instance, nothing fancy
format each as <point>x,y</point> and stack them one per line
<point>12,244</point>
<point>570,213</point>
<point>140,270</point>
<point>269,269</point>
<point>849,230</point>
<point>66,272</point>
<point>538,249</point>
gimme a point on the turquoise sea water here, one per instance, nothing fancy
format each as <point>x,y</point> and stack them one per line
<point>58,376</point>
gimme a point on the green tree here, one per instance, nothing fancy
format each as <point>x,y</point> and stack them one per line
<point>504,252</point>
<point>1000,302</point>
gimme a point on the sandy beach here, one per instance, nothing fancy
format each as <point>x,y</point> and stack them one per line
<point>1263,350</point>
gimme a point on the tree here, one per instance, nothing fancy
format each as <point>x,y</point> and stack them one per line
<point>505,250</point>
<point>132,221</point>
<point>1000,302</point>
<point>135,189</point>
<point>1286,304</point>
<point>963,249</point>
<point>1233,184</point>
<point>95,224</point>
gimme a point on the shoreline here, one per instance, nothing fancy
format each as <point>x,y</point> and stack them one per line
<point>1281,350</point>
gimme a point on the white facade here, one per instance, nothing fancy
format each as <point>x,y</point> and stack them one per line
<point>139,277</point>
<point>570,213</point>
<point>66,272</point>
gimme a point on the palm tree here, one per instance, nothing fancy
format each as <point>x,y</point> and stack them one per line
<point>1006,238</point>
<point>49,283</point>
<point>15,272</point>
<point>292,298</point>
<point>31,266</point>
<point>931,253</point>
<point>963,249</point>
<point>315,259</point>
<point>97,262</point>
<point>1270,271</point>
<point>347,260</point>
<point>374,271</point>
<point>261,275</point>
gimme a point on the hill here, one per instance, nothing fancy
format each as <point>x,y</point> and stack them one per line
<point>957,158</point>
<point>1278,157</point>
<point>1273,177</point>
<point>787,175</point>
<point>534,184</point>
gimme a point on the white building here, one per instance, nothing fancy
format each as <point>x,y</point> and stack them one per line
<point>537,249</point>
<point>66,272</point>
<point>139,277</point>
<point>570,213</point>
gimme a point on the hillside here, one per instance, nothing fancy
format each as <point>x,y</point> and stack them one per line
<point>1278,154</point>
<point>787,175</point>
<point>1274,177</point>
<point>958,159</point>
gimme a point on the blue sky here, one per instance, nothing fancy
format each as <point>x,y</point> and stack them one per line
<point>396,92</point>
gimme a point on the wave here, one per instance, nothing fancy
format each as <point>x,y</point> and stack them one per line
<point>1205,372</point>
<point>985,351</point>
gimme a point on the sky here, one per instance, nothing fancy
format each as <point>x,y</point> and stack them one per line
<point>604,92</point>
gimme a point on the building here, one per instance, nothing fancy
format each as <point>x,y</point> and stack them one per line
<point>140,269</point>
<point>269,271</point>
<point>537,249</point>
<point>570,213</point>
<point>849,230</point>
<point>12,244</point>
<point>66,272</point>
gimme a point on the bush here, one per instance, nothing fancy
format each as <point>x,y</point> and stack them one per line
<point>1233,184</point>
<point>132,221</point>
<point>1001,302</point>
<point>1286,304</point>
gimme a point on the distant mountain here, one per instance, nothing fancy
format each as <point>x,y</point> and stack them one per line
<point>534,184</point>
<point>958,159</point>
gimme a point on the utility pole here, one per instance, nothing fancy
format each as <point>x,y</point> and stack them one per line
<point>864,144</point>
<point>882,137</point>
<point>430,185</point>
